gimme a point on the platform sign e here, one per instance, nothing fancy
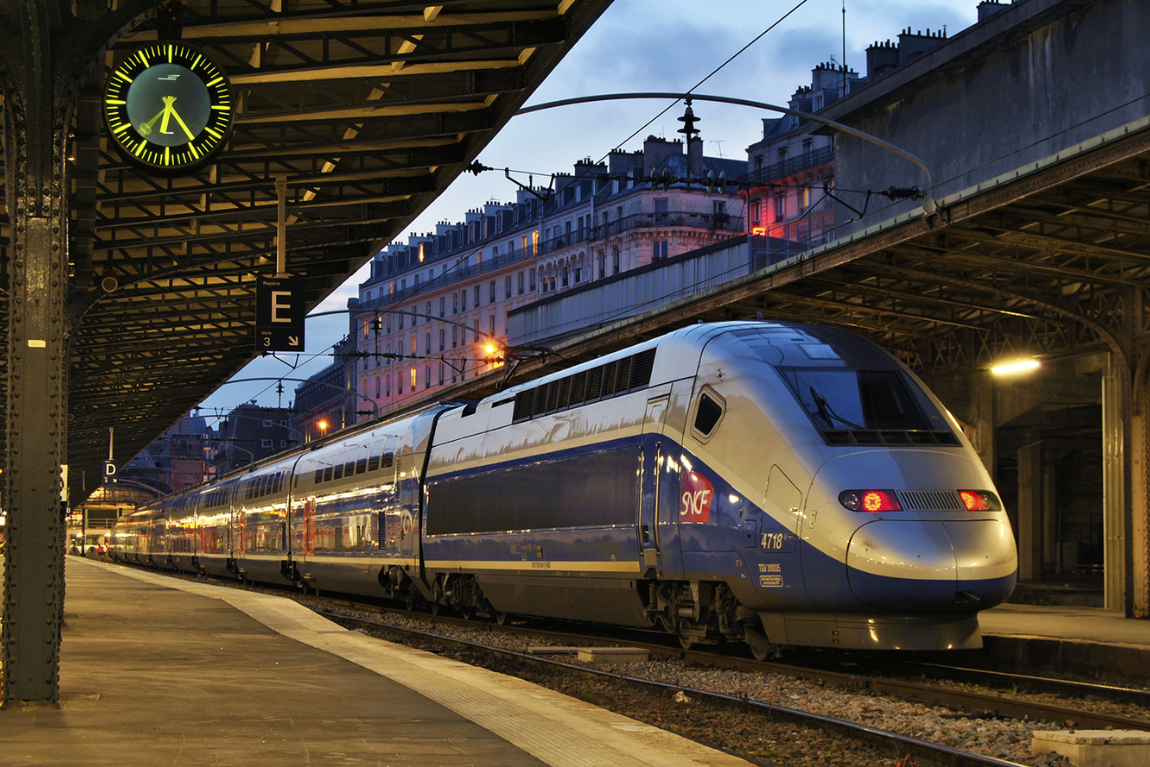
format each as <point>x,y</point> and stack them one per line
<point>279,314</point>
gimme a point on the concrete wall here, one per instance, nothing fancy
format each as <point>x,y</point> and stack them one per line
<point>1027,83</point>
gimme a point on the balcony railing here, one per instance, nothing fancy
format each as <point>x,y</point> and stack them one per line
<point>791,166</point>
<point>462,272</point>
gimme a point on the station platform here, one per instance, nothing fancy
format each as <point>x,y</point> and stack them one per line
<point>1076,624</point>
<point>159,670</point>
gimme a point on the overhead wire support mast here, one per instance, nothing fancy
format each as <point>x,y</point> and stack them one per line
<point>929,207</point>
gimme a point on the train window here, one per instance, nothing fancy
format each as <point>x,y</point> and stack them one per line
<point>318,475</point>
<point>623,382</point>
<point>594,385</point>
<point>609,381</point>
<point>578,389</point>
<point>866,407</point>
<point>327,472</point>
<point>361,461</point>
<point>708,413</point>
<point>373,461</point>
<point>387,460</point>
<point>337,471</point>
<point>349,466</point>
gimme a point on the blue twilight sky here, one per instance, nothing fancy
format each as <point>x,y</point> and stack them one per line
<point>639,45</point>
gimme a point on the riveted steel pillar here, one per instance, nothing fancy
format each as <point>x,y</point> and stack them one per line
<point>35,133</point>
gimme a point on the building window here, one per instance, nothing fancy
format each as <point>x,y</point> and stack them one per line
<point>531,280</point>
<point>551,282</point>
<point>780,207</point>
<point>475,333</point>
<point>578,272</point>
<point>441,374</point>
<point>427,377</point>
<point>454,336</point>
<point>428,317</point>
<point>441,335</point>
<point>754,206</point>
<point>522,282</point>
<point>401,320</point>
<point>427,343</point>
<point>661,211</point>
<point>492,322</point>
<point>658,250</point>
<point>507,286</point>
<point>414,345</point>
<point>455,303</point>
<point>491,297</point>
<point>602,264</point>
<point>442,307</point>
<point>267,443</point>
<point>804,199</point>
<point>476,296</point>
<point>615,260</point>
<point>564,276</point>
<point>414,378</point>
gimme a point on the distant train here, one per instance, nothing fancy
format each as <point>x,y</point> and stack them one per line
<point>772,483</point>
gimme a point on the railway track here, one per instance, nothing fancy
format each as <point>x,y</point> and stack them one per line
<point>915,750</point>
<point>979,703</point>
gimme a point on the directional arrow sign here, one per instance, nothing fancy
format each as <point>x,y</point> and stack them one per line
<point>279,314</point>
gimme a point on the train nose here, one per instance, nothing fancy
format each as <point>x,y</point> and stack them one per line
<point>932,565</point>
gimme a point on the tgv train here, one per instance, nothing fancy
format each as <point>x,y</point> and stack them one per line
<point>774,483</point>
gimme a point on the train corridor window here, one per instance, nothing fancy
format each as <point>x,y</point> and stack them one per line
<point>376,450</point>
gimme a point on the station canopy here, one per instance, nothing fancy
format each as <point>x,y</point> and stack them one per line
<point>368,110</point>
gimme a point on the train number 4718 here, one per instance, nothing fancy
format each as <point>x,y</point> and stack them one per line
<point>773,541</point>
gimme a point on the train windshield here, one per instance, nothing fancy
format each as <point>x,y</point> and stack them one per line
<point>855,406</point>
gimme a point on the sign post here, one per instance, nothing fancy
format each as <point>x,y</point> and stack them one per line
<point>279,314</point>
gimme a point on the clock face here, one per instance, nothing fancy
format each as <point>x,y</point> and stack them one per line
<point>169,108</point>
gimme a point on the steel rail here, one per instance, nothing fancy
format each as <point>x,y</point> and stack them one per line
<point>919,749</point>
<point>979,703</point>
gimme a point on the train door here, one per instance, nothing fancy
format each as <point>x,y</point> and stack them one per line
<point>777,537</point>
<point>657,538</point>
<point>410,504</point>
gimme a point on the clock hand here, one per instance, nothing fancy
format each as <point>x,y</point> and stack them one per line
<point>146,128</point>
<point>176,115</point>
<point>167,112</point>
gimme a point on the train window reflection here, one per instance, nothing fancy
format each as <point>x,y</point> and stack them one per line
<point>855,399</point>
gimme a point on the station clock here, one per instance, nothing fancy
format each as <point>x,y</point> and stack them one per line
<point>169,108</point>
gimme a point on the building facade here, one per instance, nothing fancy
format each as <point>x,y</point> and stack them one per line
<point>434,311</point>
<point>250,433</point>
<point>790,181</point>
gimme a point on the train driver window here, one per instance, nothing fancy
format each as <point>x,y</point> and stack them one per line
<point>708,412</point>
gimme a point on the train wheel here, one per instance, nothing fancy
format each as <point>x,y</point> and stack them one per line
<point>467,613</point>
<point>434,607</point>
<point>761,649</point>
<point>500,618</point>
<point>686,642</point>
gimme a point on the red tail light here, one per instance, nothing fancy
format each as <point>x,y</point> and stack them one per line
<point>870,500</point>
<point>979,500</point>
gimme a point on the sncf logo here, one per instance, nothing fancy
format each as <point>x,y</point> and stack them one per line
<point>695,502</point>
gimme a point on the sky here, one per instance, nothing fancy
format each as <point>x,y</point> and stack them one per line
<point>635,46</point>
